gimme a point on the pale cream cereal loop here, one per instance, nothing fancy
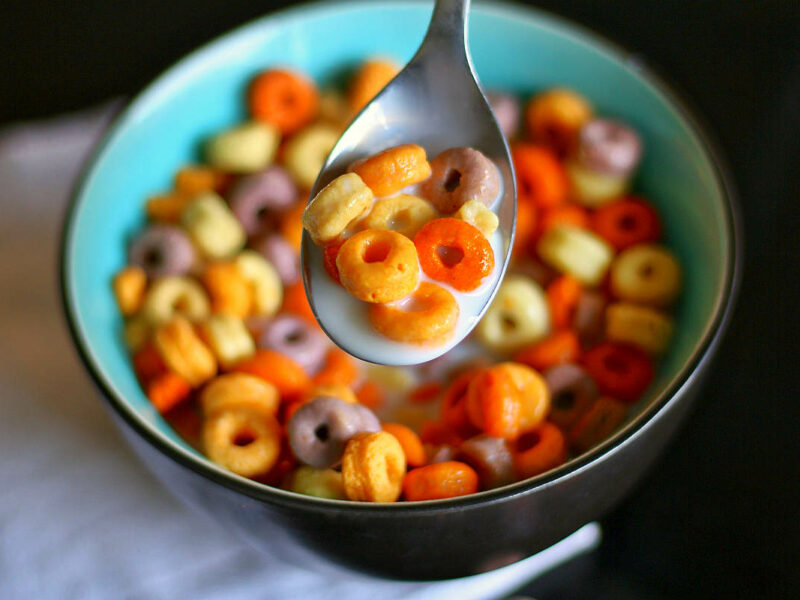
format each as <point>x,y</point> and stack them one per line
<point>338,204</point>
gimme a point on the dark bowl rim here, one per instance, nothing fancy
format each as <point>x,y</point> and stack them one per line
<point>712,334</point>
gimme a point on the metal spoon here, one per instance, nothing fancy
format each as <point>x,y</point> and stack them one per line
<point>436,102</point>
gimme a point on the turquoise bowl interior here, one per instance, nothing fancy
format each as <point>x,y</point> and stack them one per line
<point>513,49</point>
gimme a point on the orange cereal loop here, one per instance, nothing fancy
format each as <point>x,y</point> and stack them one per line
<point>626,222</point>
<point>283,98</point>
<point>295,301</point>
<point>167,390</point>
<point>245,442</point>
<point>239,390</point>
<point>597,423</point>
<point>493,403</point>
<point>378,266</point>
<point>184,352</point>
<point>425,393</point>
<point>534,394</point>
<point>440,480</point>
<point>562,298</point>
<point>193,179</point>
<point>526,228</point>
<point>568,214</point>
<point>454,252</point>
<point>281,371</point>
<point>541,178</point>
<point>332,390</point>
<point>339,367</point>
<point>148,364</point>
<point>439,433</point>
<point>166,208</point>
<point>291,227</point>
<point>329,255</point>
<point>393,169</point>
<point>370,79</point>
<point>371,395</point>
<point>561,347</point>
<point>428,316</point>
<point>412,445</point>
<point>129,287</point>
<point>373,467</point>
<point>453,408</point>
<point>555,117</point>
<point>539,450</point>
<point>229,292</point>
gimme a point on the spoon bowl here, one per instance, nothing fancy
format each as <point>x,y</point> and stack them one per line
<point>437,103</point>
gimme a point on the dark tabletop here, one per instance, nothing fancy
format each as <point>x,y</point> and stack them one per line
<point>717,516</point>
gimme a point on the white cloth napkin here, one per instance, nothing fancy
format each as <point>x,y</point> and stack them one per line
<point>79,516</point>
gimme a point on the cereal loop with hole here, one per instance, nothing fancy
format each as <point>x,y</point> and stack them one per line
<point>539,450</point>
<point>459,175</point>
<point>373,467</point>
<point>447,479</point>
<point>243,441</point>
<point>646,274</point>
<point>390,171</point>
<point>184,352</point>
<point>430,316</point>
<point>337,205</point>
<point>239,391</point>
<point>403,213</point>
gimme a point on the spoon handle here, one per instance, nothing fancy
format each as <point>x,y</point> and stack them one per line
<point>447,32</point>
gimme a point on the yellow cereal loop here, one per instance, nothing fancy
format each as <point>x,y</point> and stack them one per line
<point>166,208</point>
<point>577,252</point>
<point>594,189</point>
<point>175,295</point>
<point>640,326</point>
<point>373,467</point>
<point>129,285</point>
<point>228,338</point>
<point>322,483</point>
<point>403,213</point>
<point>183,351</point>
<point>519,316</point>
<point>393,379</point>
<point>137,332</point>
<point>246,148</point>
<point>646,274</point>
<point>239,391</point>
<point>338,204</point>
<point>333,109</point>
<point>264,279</point>
<point>213,227</point>
<point>243,441</point>
<point>307,150</point>
<point>478,215</point>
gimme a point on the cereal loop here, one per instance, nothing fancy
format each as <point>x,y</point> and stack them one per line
<point>370,79</point>
<point>555,117</point>
<point>184,352</point>
<point>494,404</point>
<point>562,346</point>
<point>281,371</point>
<point>246,442</point>
<point>338,204</point>
<point>539,450</point>
<point>597,423</point>
<point>454,252</point>
<point>378,266</point>
<point>129,287</point>
<point>228,289</point>
<point>533,394</point>
<point>430,315</point>
<point>541,179</point>
<point>284,98</point>
<point>441,480</point>
<point>393,169</point>
<point>412,445</point>
<point>626,222</point>
<point>619,370</point>
<point>373,467</point>
<point>402,213</point>
<point>239,391</point>
<point>459,175</point>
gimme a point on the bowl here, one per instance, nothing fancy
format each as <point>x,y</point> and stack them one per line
<point>514,49</point>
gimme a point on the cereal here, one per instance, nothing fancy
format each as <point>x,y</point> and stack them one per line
<point>129,286</point>
<point>507,111</point>
<point>184,352</point>
<point>409,441</point>
<point>246,148</point>
<point>494,403</point>
<point>640,326</point>
<point>280,254</point>
<point>333,108</point>
<point>566,214</point>
<point>619,370</point>
<point>539,450</point>
<point>171,296</point>
<point>329,255</point>
<point>291,225</point>
<point>562,298</point>
<point>541,179</point>
<point>296,338</point>
<point>593,189</point>
<point>321,483</point>
<point>560,347</point>
<point>589,317</point>
<point>555,117</point>
<point>533,393</point>
<point>440,480</point>
<point>332,390</point>
<point>256,200</point>
<point>627,222</point>
<point>283,98</point>
<point>244,441</point>
<point>195,179</point>
<point>378,266</point>
<point>228,338</point>
<point>459,175</point>
<point>518,316</point>
<point>239,391</point>
<point>166,390</point>
<point>166,208</point>
<point>339,203</point>
<point>267,291</point>
<point>402,213</point>
<point>390,171</point>
<point>429,316</point>
<point>454,252</point>
<point>609,147</point>
<point>319,430</point>
<point>137,332</point>
<point>306,151</point>
<point>370,79</point>
<point>295,302</point>
<point>285,374</point>
<point>373,467</point>
<point>572,392</point>
<point>476,214</point>
<point>213,227</point>
<point>454,404</point>
<point>597,423</point>
<point>491,459</point>
<point>338,368</point>
<point>576,252</point>
<point>162,250</point>
<point>228,290</point>
<point>646,274</point>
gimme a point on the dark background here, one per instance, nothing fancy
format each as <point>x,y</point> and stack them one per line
<point>718,515</point>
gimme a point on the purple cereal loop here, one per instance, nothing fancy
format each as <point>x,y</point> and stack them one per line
<point>280,255</point>
<point>491,459</point>
<point>589,318</point>
<point>258,199</point>
<point>162,250</point>
<point>297,339</point>
<point>459,175</point>
<point>572,391</point>
<point>507,111</point>
<point>609,147</point>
